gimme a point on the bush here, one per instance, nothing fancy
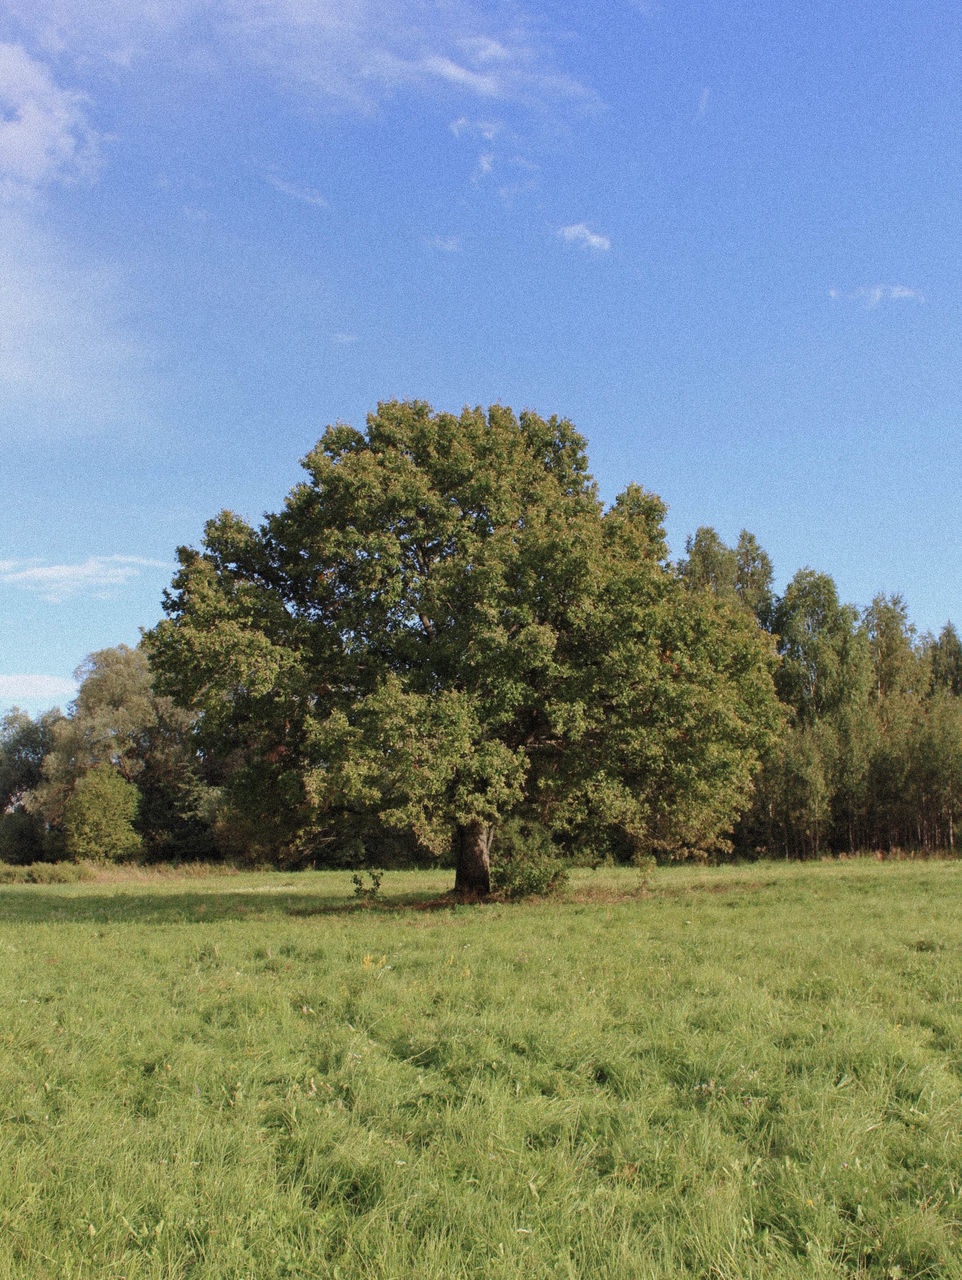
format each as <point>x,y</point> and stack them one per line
<point>99,815</point>
<point>525,861</point>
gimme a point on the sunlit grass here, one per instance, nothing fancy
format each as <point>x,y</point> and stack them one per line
<point>750,1072</point>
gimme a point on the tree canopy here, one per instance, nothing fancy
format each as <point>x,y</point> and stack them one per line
<point>443,629</point>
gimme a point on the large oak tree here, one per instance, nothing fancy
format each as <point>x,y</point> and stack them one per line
<point>444,628</point>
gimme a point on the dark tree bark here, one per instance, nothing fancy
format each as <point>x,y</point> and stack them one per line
<point>472,877</point>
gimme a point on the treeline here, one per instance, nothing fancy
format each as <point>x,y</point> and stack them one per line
<point>444,645</point>
<point>869,753</point>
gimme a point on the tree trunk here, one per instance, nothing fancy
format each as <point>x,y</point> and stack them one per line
<point>472,877</point>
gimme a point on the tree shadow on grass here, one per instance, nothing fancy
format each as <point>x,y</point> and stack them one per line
<point>21,904</point>
<point>162,904</point>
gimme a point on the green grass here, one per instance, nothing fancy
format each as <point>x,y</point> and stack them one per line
<point>751,1072</point>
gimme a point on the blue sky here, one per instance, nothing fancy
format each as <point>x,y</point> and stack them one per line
<point>723,238</point>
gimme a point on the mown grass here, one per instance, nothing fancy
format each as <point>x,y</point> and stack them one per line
<point>749,1072</point>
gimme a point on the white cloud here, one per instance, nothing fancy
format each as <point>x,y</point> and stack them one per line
<point>488,129</point>
<point>99,576</point>
<point>21,688</point>
<point>68,363</point>
<point>900,292</point>
<point>446,244</point>
<point>67,360</point>
<point>484,49</point>
<point>343,339</point>
<point>305,194</point>
<point>580,234</point>
<point>703,102</point>
<point>44,135</point>
<point>492,157</point>
<point>488,85</point>
<point>355,52</point>
<point>360,51</point>
<point>119,31</point>
<point>874,295</point>
<point>483,167</point>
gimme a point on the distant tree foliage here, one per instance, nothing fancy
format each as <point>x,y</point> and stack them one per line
<point>117,723</point>
<point>24,745</point>
<point>868,756</point>
<point>945,661</point>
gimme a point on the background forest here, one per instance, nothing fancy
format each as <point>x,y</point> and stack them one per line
<point>444,647</point>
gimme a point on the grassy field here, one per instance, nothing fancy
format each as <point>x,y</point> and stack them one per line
<point>749,1072</point>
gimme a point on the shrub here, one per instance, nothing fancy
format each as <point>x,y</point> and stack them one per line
<point>99,815</point>
<point>525,861</point>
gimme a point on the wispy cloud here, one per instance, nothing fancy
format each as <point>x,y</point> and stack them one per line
<point>307,195</point>
<point>487,84</point>
<point>581,235</point>
<point>120,32</point>
<point>446,244</point>
<point>517,174</point>
<point>68,360</point>
<point>44,133</point>
<point>874,295</point>
<point>703,101</point>
<point>356,52</point>
<point>483,167</point>
<point>484,49</point>
<point>22,688</point>
<point>526,179</point>
<point>100,576</point>
<point>487,129</point>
